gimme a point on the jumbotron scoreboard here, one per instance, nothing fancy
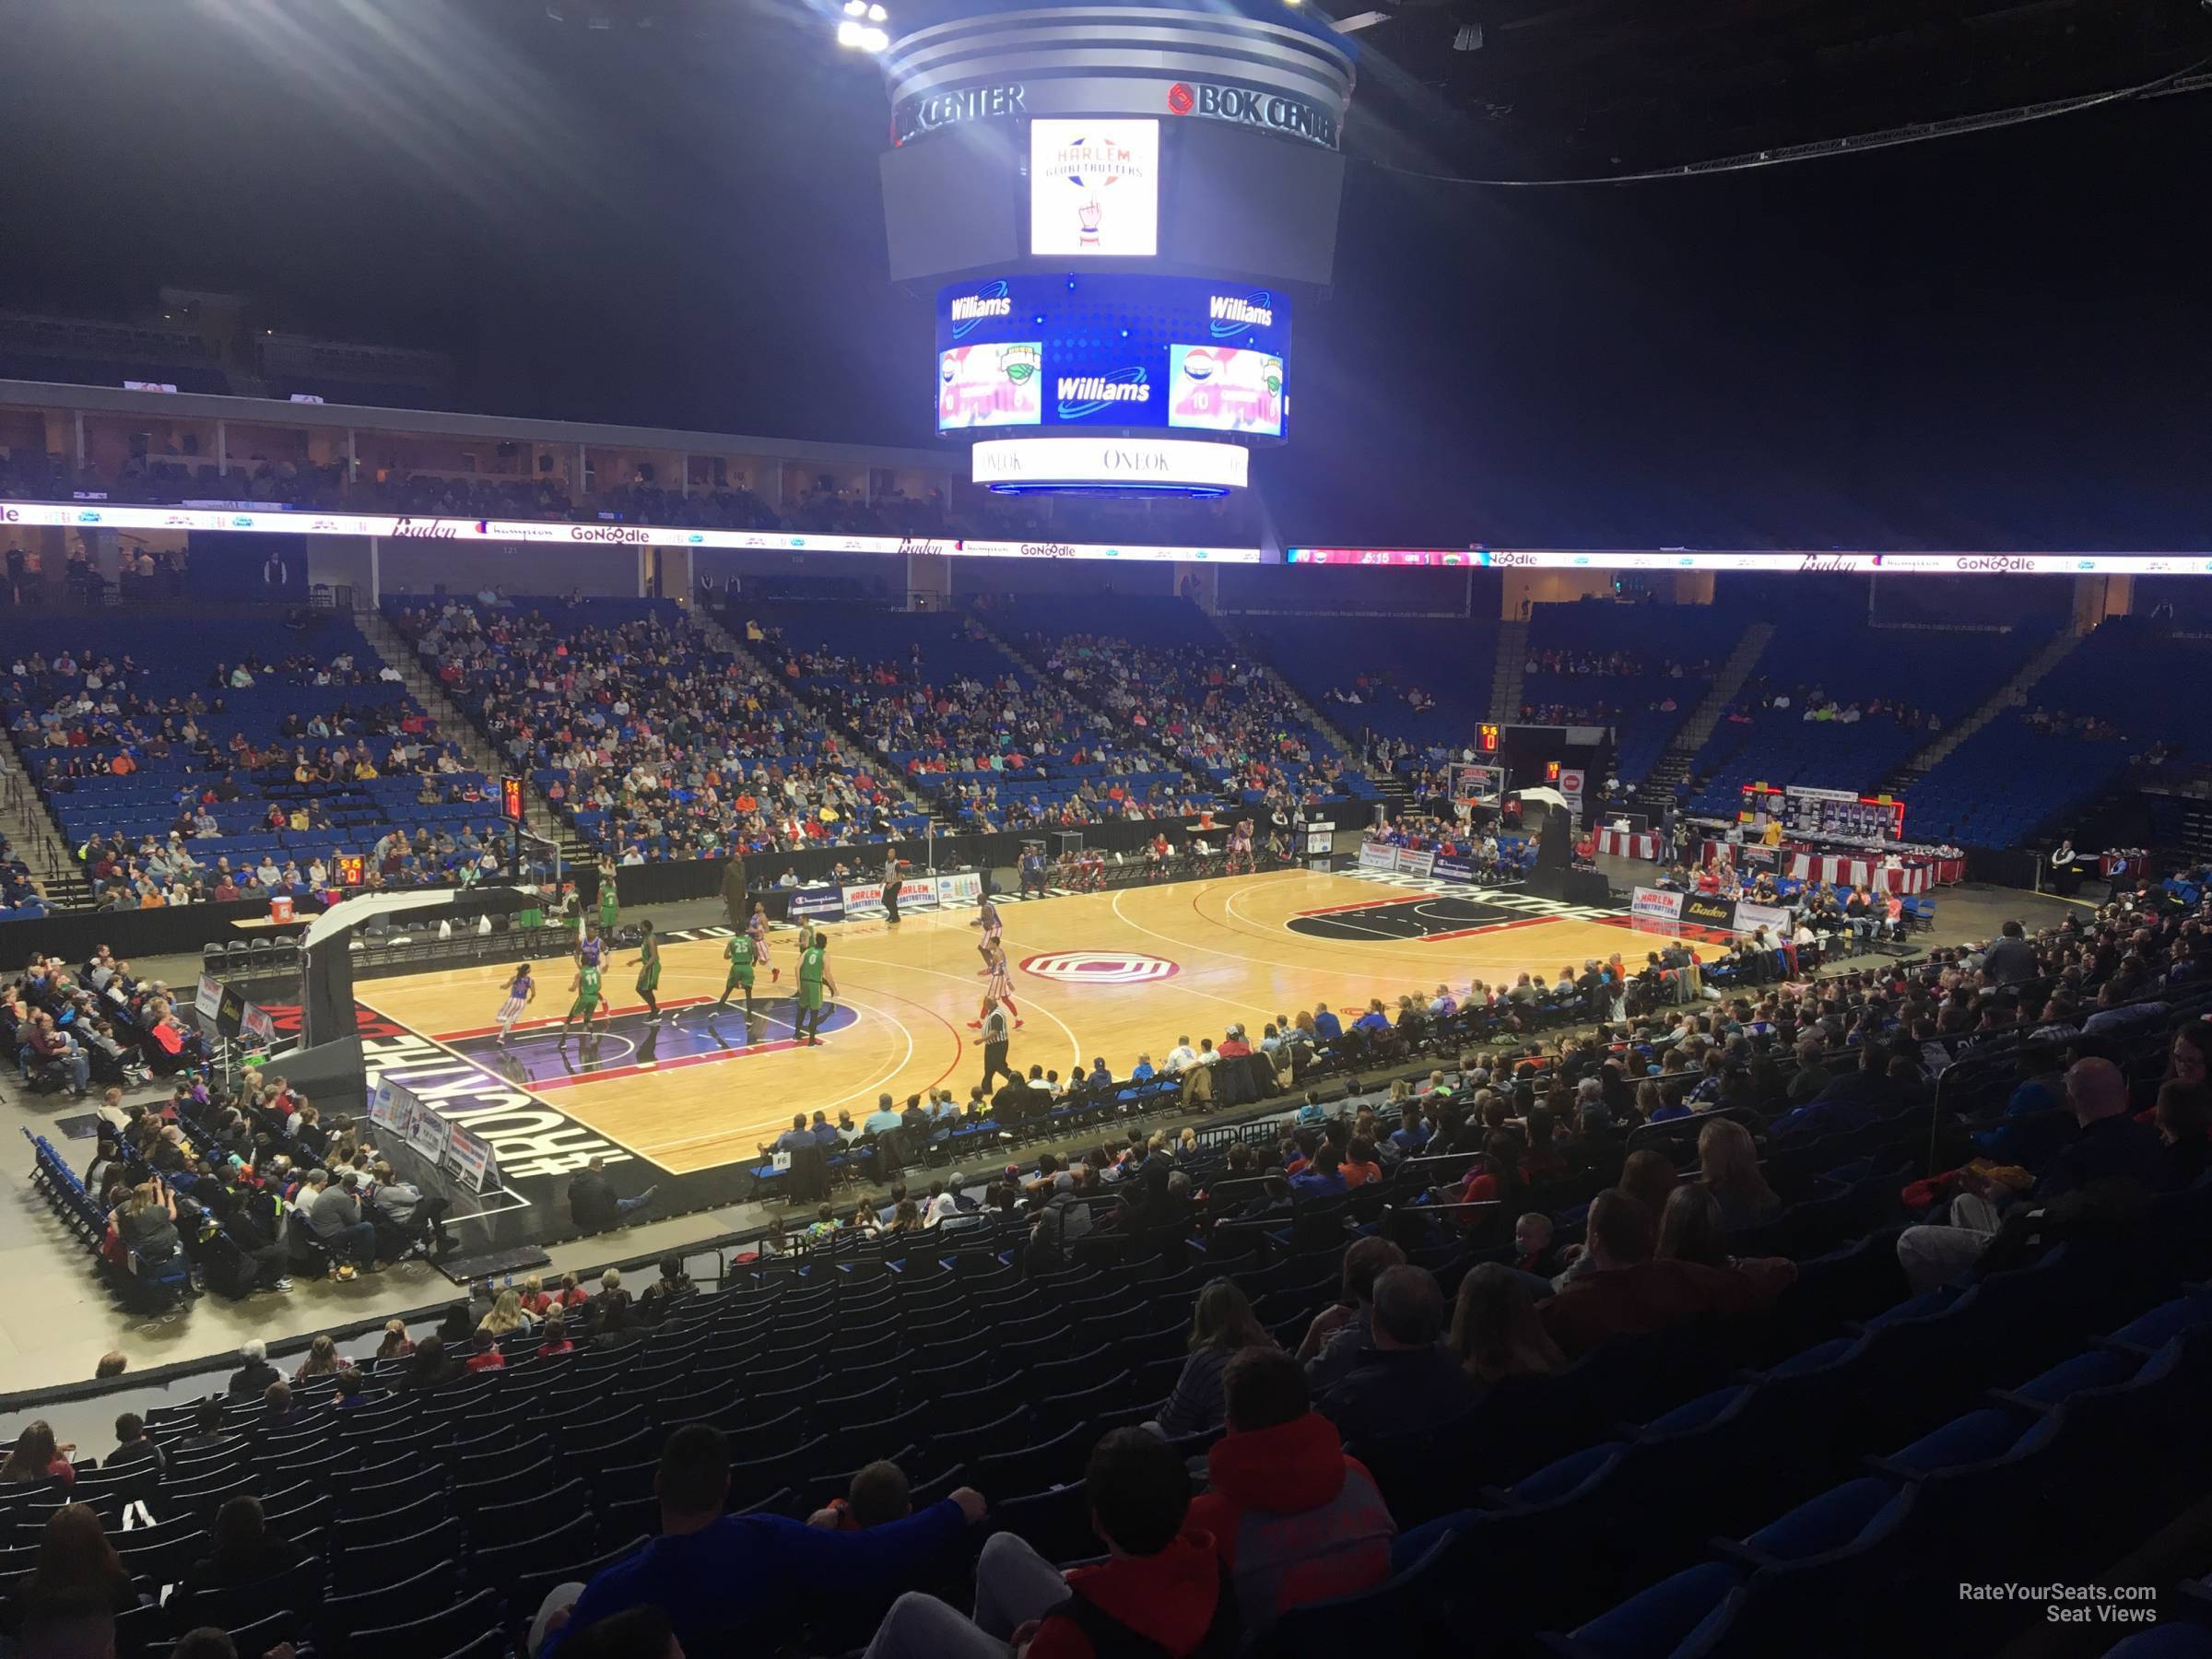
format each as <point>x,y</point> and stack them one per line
<point>1116,210</point>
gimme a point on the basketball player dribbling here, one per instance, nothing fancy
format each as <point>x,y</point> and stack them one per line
<point>757,928</point>
<point>987,919</point>
<point>521,990</point>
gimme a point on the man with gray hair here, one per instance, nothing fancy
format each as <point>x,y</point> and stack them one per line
<point>2109,1145</point>
<point>248,1380</point>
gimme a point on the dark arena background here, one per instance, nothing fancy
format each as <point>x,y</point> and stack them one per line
<point>932,827</point>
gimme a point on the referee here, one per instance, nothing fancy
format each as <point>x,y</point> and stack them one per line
<point>890,888</point>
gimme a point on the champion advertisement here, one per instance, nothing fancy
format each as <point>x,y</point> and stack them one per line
<point>1112,351</point>
<point>816,904</point>
<point>1094,188</point>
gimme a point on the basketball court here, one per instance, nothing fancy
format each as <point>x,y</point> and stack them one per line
<point>1114,974</point>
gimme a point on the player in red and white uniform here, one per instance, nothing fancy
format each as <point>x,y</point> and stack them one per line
<point>1239,848</point>
<point>987,918</point>
<point>758,927</point>
<point>997,988</point>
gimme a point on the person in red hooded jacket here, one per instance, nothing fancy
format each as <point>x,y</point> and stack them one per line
<point>1293,1519</point>
<point>1160,1591</point>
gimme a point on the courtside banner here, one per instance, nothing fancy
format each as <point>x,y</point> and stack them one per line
<point>386,528</point>
<point>915,892</point>
<point>962,887</point>
<point>1452,869</point>
<point>1770,916</point>
<point>1658,905</point>
<point>1378,855</point>
<point>1709,911</point>
<point>817,904</point>
<point>1417,863</point>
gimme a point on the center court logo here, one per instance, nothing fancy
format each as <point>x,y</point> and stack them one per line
<point>1100,968</point>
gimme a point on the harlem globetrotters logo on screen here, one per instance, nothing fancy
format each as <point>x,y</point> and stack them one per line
<point>1094,188</point>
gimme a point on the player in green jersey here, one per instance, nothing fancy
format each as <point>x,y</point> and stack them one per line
<point>813,976</point>
<point>649,971</point>
<point>588,999</point>
<point>742,954</point>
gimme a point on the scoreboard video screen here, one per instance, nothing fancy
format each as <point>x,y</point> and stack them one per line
<point>1114,352</point>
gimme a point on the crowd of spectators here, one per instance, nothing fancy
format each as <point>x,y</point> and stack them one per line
<point>99,1023</point>
<point>657,745</point>
<point>989,750</point>
<point>1218,718</point>
<point>1643,1177</point>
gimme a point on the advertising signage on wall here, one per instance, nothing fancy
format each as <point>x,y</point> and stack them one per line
<point>499,532</point>
<point>1135,464</point>
<point>1191,99</point>
<point>1113,351</point>
<point>1778,562</point>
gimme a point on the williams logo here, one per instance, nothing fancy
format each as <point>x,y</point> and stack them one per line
<point>988,301</point>
<point>1231,315</point>
<point>1084,395</point>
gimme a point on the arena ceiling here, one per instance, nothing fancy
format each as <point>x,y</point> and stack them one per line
<point>1561,88</point>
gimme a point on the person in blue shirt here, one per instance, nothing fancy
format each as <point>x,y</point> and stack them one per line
<point>825,1133</point>
<point>713,1574</point>
<point>1374,1022</point>
<point>1326,1026</point>
<point>798,1136</point>
<point>882,1118</point>
<point>1412,1133</point>
<point>1319,1179</point>
<point>1100,1076</point>
<point>1143,1072</point>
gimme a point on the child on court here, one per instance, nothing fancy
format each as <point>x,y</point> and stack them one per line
<point>521,990</point>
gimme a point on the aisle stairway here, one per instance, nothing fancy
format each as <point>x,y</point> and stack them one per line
<point>38,841</point>
<point>1672,769</point>
<point>1028,664</point>
<point>722,639</point>
<point>2015,691</point>
<point>1510,671</point>
<point>454,726</point>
